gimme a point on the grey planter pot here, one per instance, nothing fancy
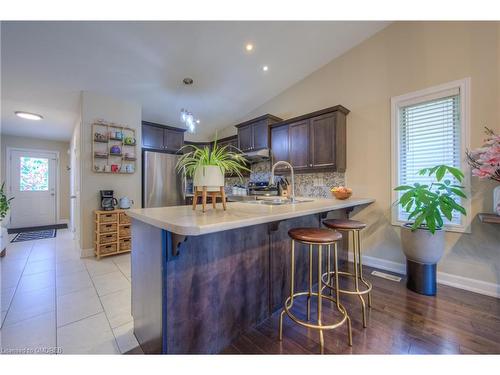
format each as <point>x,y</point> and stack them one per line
<point>423,250</point>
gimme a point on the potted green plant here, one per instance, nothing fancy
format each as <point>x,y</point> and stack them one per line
<point>422,238</point>
<point>4,209</point>
<point>208,165</point>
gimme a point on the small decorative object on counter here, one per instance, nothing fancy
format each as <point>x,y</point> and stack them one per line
<point>115,168</point>
<point>485,163</point>
<point>341,192</point>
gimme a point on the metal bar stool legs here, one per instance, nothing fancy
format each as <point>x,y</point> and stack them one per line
<point>322,240</point>
<point>354,227</point>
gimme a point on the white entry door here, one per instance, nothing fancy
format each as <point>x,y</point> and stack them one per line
<point>33,181</point>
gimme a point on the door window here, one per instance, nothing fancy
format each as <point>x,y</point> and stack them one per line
<point>34,174</point>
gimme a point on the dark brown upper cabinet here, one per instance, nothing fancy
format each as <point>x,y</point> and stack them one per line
<point>299,144</point>
<point>231,141</point>
<point>279,143</point>
<point>254,134</point>
<point>161,137</point>
<point>322,141</point>
<point>316,141</point>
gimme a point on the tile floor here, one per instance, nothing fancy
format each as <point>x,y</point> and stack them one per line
<point>52,299</point>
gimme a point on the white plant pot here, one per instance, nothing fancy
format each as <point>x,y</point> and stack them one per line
<point>421,245</point>
<point>209,176</point>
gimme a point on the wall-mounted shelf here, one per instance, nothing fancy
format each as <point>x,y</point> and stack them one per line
<point>489,218</point>
<point>107,136</point>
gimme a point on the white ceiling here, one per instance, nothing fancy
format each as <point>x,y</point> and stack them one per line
<point>45,65</point>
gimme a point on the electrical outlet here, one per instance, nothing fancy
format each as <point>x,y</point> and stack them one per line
<point>318,181</point>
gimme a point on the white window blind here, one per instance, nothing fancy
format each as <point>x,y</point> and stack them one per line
<point>429,135</point>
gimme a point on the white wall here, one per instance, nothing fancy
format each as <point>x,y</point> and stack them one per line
<point>405,57</point>
<point>46,145</point>
<point>95,106</point>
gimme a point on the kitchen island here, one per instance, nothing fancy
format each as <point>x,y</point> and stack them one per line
<point>201,279</point>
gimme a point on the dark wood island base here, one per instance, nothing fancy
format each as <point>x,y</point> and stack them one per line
<point>197,294</point>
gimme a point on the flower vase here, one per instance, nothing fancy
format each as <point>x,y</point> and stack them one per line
<point>496,200</point>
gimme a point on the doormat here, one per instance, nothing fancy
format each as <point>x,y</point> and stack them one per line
<point>35,235</point>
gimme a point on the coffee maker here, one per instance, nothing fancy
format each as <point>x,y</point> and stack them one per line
<point>108,202</point>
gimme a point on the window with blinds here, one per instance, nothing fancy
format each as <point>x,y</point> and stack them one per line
<point>428,133</point>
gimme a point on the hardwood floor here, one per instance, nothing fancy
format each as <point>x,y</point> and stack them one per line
<point>399,322</point>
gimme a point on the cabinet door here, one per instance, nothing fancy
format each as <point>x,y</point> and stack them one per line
<point>279,143</point>
<point>152,137</point>
<point>173,140</point>
<point>299,144</point>
<point>322,135</point>
<point>245,137</point>
<point>260,135</point>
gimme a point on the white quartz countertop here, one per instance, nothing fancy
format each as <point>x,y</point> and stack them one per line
<point>184,221</point>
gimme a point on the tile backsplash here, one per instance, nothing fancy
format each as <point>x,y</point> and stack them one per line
<point>316,185</point>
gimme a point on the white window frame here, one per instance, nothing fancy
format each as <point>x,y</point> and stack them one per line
<point>435,92</point>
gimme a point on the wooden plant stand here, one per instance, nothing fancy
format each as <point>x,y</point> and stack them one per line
<point>214,194</point>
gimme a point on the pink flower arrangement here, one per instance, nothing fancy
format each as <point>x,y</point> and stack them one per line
<point>485,161</point>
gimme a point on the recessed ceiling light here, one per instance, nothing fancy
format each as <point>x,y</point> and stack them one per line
<point>249,47</point>
<point>28,116</point>
<point>265,68</point>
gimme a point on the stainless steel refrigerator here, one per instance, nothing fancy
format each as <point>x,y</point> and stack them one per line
<point>161,184</point>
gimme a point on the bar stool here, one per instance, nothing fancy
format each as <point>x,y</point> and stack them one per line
<point>354,227</point>
<point>320,237</point>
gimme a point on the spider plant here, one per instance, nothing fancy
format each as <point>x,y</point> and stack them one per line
<point>228,158</point>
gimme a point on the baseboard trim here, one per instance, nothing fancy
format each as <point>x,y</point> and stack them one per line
<point>456,281</point>
<point>87,253</point>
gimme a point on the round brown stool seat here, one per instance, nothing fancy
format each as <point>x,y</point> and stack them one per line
<point>314,235</point>
<point>344,224</point>
<point>354,227</point>
<point>318,239</point>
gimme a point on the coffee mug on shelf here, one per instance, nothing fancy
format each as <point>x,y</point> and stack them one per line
<point>115,168</point>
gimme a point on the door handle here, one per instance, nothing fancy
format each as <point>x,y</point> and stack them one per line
<point>72,197</point>
<point>52,194</point>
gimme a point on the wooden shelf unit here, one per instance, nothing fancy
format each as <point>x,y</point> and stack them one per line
<point>112,234</point>
<point>101,148</point>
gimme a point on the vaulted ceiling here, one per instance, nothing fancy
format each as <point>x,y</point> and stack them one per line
<point>45,65</point>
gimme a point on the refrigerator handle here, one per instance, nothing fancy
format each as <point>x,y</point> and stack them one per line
<point>184,185</point>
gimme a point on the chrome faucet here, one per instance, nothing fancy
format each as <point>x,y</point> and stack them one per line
<point>271,180</point>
